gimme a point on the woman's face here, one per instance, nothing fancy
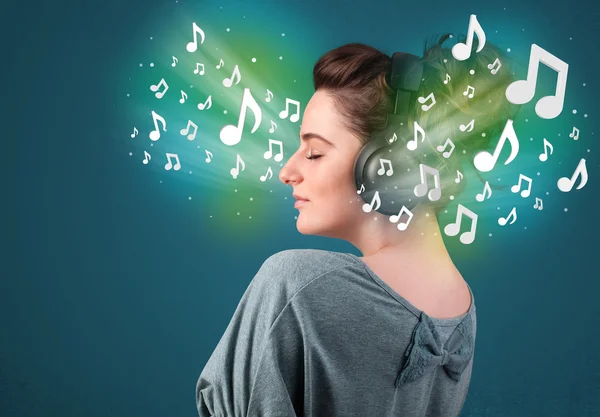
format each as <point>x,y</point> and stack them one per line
<point>326,181</point>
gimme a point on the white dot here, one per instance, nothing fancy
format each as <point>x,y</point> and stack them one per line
<point>570,39</point>
<point>130,153</point>
<point>566,209</point>
<point>235,190</point>
<point>507,49</point>
<point>547,193</point>
<point>445,60</point>
<point>498,179</point>
<point>253,59</point>
<point>526,120</point>
<point>472,72</point>
<point>523,30</point>
<point>588,150</point>
<point>190,172</point>
<point>498,208</point>
<point>585,115</point>
<point>251,198</point>
<point>426,214</point>
<point>127,94</point>
<point>525,227</point>
<point>189,198</point>
<point>464,151</point>
<point>161,181</point>
<point>224,111</point>
<point>530,138</point>
<point>152,64</point>
<point>538,173</point>
<point>280,57</point>
<point>451,36</point>
<point>238,213</point>
<point>141,64</point>
<point>283,34</point>
<point>451,197</point>
<point>210,216</point>
<point>584,84</point>
<point>445,211</point>
<point>574,111</point>
<point>150,37</point>
<point>490,233</point>
<point>227,29</point>
<point>483,134</point>
<point>249,217</point>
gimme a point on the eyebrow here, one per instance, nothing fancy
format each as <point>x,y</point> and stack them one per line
<point>309,135</point>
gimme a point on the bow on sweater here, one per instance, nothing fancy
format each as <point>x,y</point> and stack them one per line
<point>425,352</point>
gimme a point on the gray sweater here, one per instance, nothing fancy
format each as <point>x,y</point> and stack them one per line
<point>318,334</point>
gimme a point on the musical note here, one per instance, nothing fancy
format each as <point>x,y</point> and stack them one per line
<point>284,113</point>
<point>184,97</point>
<point>193,46</point>
<point>565,184</point>
<point>263,178</point>
<point>469,126</point>
<point>155,134</point>
<point>269,153</point>
<point>522,91</point>
<point>485,162</point>
<point>441,148</point>
<point>206,105</point>
<point>459,176</point>
<point>235,171</point>
<point>467,92</point>
<point>209,155</point>
<point>421,189</point>
<point>230,134</point>
<point>513,214</point>
<point>175,61</point>
<point>221,63</point>
<point>402,225</point>
<point>147,158</point>
<point>393,138</point>
<point>169,165</point>
<point>135,132</point>
<point>462,51</point>
<point>515,188</point>
<point>198,70</point>
<point>361,189</point>
<point>539,206</point>
<point>447,78</point>
<point>486,190</point>
<point>228,82</point>
<point>382,169</point>
<point>368,207</point>
<point>452,229</point>
<point>269,96</point>
<point>160,94</point>
<point>547,145</point>
<point>273,126</point>
<point>412,144</point>
<point>574,134</point>
<point>491,66</point>
<point>422,100</point>
<point>187,130</point>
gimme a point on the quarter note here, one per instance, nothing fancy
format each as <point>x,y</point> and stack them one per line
<point>228,82</point>
<point>193,46</point>
<point>162,83</point>
<point>421,189</point>
<point>185,131</point>
<point>491,66</point>
<point>155,134</point>
<point>269,153</point>
<point>512,215</point>
<point>486,190</point>
<point>147,158</point>
<point>169,164</point>
<point>574,134</point>
<point>230,134</point>
<point>422,100</point>
<point>539,204</point>
<point>418,130</point>
<point>547,145</point>
<point>284,113</point>
<point>522,91</point>
<point>462,51</point>
<point>198,70</point>
<point>206,105</point>
<point>485,161</point>
<point>452,229</point>
<point>565,184</point>
<point>263,178</point>
<point>381,170</point>
<point>367,208</point>
<point>441,148</point>
<point>515,188</point>
<point>402,225</point>
<point>235,171</point>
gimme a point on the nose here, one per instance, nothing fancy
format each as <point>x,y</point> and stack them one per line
<point>290,173</point>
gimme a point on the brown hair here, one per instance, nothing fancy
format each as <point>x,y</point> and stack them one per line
<point>355,76</point>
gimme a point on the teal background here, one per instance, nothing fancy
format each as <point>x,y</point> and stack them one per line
<point>116,287</point>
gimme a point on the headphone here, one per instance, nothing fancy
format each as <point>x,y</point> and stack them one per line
<point>384,165</point>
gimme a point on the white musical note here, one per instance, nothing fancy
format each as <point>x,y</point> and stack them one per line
<point>269,96</point>
<point>468,127</point>
<point>206,105</point>
<point>361,189</point>
<point>230,134</point>
<point>513,214</point>
<point>459,176</point>
<point>539,204</point>
<point>441,148</point>
<point>147,158</point>
<point>574,134</point>
<point>469,88</point>
<point>185,131</point>
<point>228,82</point>
<point>184,97</point>
<point>448,78</point>
<point>273,126</point>
<point>421,189</point>
<point>422,100</point>
<point>135,132</point>
<point>209,155</point>
<point>284,113</point>
<point>486,190</point>
<point>381,170</point>
<point>376,200</point>
<point>198,70</point>
<point>515,188</point>
<point>175,61</point>
<point>235,171</point>
<point>462,51</point>
<point>565,184</point>
<point>494,71</point>
<point>155,134</point>
<point>193,46</point>
<point>452,229</point>
<point>402,225</point>
<point>169,164</point>
<point>393,138</point>
<point>160,94</point>
<point>412,144</point>
<point>522,91</point>
<point>547,145</point>
<point>485,162</point>
<point>263,178</point>
<point>269,153</point>
<point>221,63</point>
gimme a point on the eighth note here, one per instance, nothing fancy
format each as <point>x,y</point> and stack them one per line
<point>169,165</point>
<point>175,61</point>
<point>469,126</point>
<point>462,51</point>
<point>361,189</point>
<point>485,161</point>
<point>185,131</point>
<point>269,153</point>
<point>503,220</point>
<point>381,170</point>
<point>472,89</point>
<point>491,66</point>
<point>367,208</point>
<point>183,97</point>
<point>155,88</point>
<point>452,229</point>
<point>155,134</point>
<point>412,144</point>
<point>193,46</point>
<point>422,100</point>
<point>459,176</point>
<point>208,156</point>
<point>539,206</point>
<point>235,171</point>
<point>147,157</point>
<point>421,189</point>
<point>441,148</point>
<point>263,178</point>
<point>269,96</point>
<point>135,132</point>
<point>565,184</point>
<point>402,225</point>
<point>486,190</point>
<point>231,135</point>
<point>517,187</point>
<point>574,134</point>
<point>284,113</point>
<point>228,82</point>
<point>447,78</point>
<point>206,105</point>
<point>547,145</point>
